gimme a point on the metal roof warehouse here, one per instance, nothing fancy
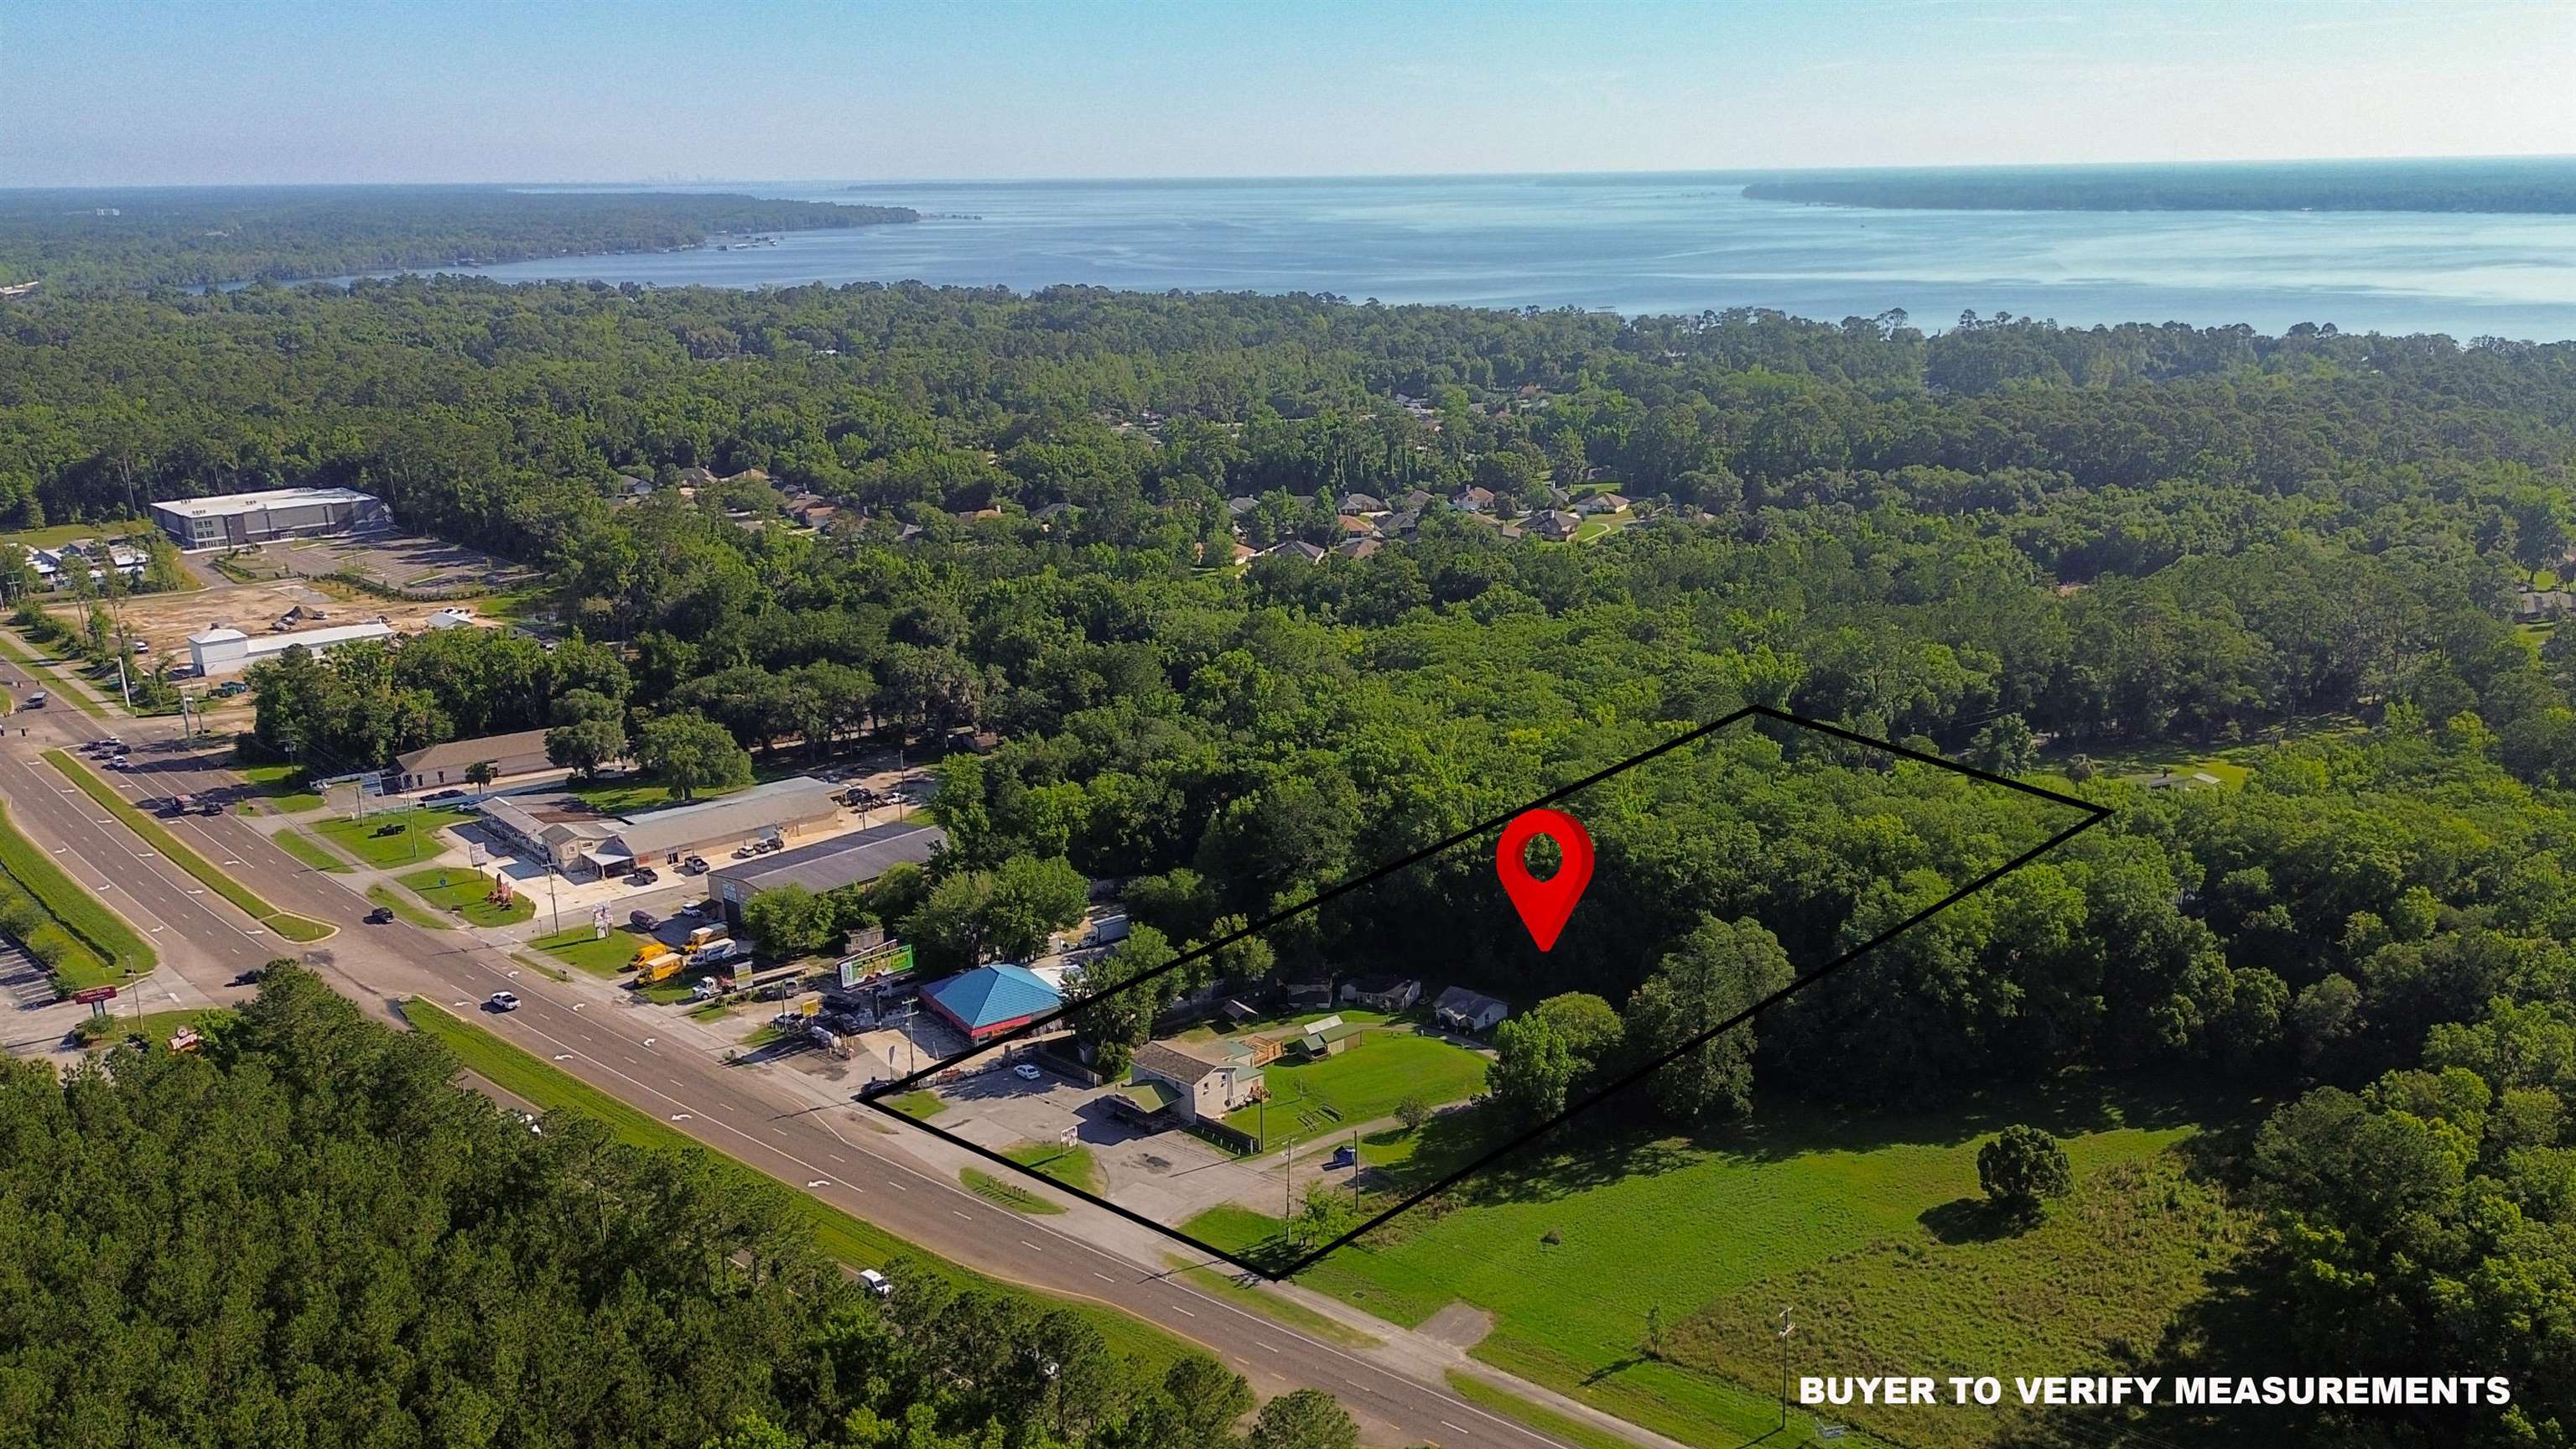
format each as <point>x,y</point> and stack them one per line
<point>780,808</point>
<point>828,865</point>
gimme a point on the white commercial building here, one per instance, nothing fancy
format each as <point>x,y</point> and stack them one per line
<point>230,651</point>
<point>231,519</point>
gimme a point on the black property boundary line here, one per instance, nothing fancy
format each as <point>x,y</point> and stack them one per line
<point>877,1096</point>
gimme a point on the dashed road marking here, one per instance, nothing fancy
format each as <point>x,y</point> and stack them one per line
<point>1185,1313</point>
<point>1025,1243</point>
<point>954,1213</point>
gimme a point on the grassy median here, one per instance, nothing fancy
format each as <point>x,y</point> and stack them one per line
<point>852,1240</point>
<point>50,677</point>
<point>79,939</point>
<point>292,927</point>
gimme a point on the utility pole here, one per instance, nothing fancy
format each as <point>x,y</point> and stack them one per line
<point>1786,1328</point>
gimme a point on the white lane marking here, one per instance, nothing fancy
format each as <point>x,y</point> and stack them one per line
<point>899,1187</point>
<point>1445,1424</point>
<point>563,1056</point>
<point>1274,1348</point>
<point>820,1182</point>
<point>679,1116</point>
<point>1103,1277</point>
<point>1025,1243</point>
<point>1185,1313</point>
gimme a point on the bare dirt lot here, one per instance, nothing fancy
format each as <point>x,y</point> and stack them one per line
<point>403,561</point>
<point>166,620</point>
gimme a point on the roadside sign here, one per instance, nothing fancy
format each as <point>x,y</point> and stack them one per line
<point>94,995</point>
<point>186,1040</point>
<point>813,1006</point>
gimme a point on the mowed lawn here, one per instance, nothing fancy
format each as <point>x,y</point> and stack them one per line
<point>393,838</point>
<point>1873,1221</point>
<point>281,788</point>
<point>583,948</point>
<point>1361,1085</point>
<point>468,893</point>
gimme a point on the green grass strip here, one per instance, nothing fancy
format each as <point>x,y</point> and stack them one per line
<point>292,927</point>
<point>550,972</point>
<point>1219,1283</point>
<point>467,892</point>
<point>63,688</point>
<point>852,1240</point>
<point>1002,1194</point>
<point>310,851</point>
<point>1547,1421</point>
<point>402,906</point>
<point>109,949</point>
<point>584,950</point>
<point>919,1106</point>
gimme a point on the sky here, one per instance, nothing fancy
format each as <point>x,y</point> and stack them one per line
<point>175,92</point>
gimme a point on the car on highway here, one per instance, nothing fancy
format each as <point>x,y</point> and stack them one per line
<point>1026,1073</point>
<point>502,1001</point>
<point>210,807</point>
<point>381,916</point>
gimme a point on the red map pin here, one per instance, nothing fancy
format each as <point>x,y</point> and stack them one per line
<point>1544,904</point>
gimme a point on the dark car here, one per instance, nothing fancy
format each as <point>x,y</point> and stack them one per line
<point>211,807</point>
<point>380,916</point>
<point>643,875</point>
<point>641,920</point>
<point>436,795</point>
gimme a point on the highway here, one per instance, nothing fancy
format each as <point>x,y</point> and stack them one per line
<point>829,1150</point>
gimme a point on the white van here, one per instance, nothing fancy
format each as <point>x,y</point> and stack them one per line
<point>876,1282</point>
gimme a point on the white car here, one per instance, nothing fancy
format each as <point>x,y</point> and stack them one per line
<point>876,1282</point>
<point>502,1001</point>
<point>1026,1073</point>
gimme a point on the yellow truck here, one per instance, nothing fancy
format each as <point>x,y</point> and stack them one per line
<point>699,938</point>
<point>660,968</point>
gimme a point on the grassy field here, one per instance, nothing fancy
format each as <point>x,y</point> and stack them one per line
<point>55,535</point>
<point>850,1239</point>
<point>1007,1195</point>
<point>1872,1225</point>
<point>309,850</point>
<point>1075,1167</point>
<point>408,909</point>
<point>468,894</point>
<point>393,838</point>
<point>1361,1085</point>
<point>292,927</point>
<point>97,947</point>
<point>280,787</point>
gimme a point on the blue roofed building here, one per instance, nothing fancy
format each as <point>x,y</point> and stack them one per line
<point>990,1000</point>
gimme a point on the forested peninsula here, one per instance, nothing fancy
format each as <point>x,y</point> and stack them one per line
<point>2536,185</point>
<point>80,240</point>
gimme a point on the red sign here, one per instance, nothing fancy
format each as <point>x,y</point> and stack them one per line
<point>94,995</point>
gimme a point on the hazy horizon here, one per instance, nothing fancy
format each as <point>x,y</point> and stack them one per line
<point>591,92</point>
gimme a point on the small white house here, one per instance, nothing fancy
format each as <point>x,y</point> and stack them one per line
<point>1469,1012</point>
